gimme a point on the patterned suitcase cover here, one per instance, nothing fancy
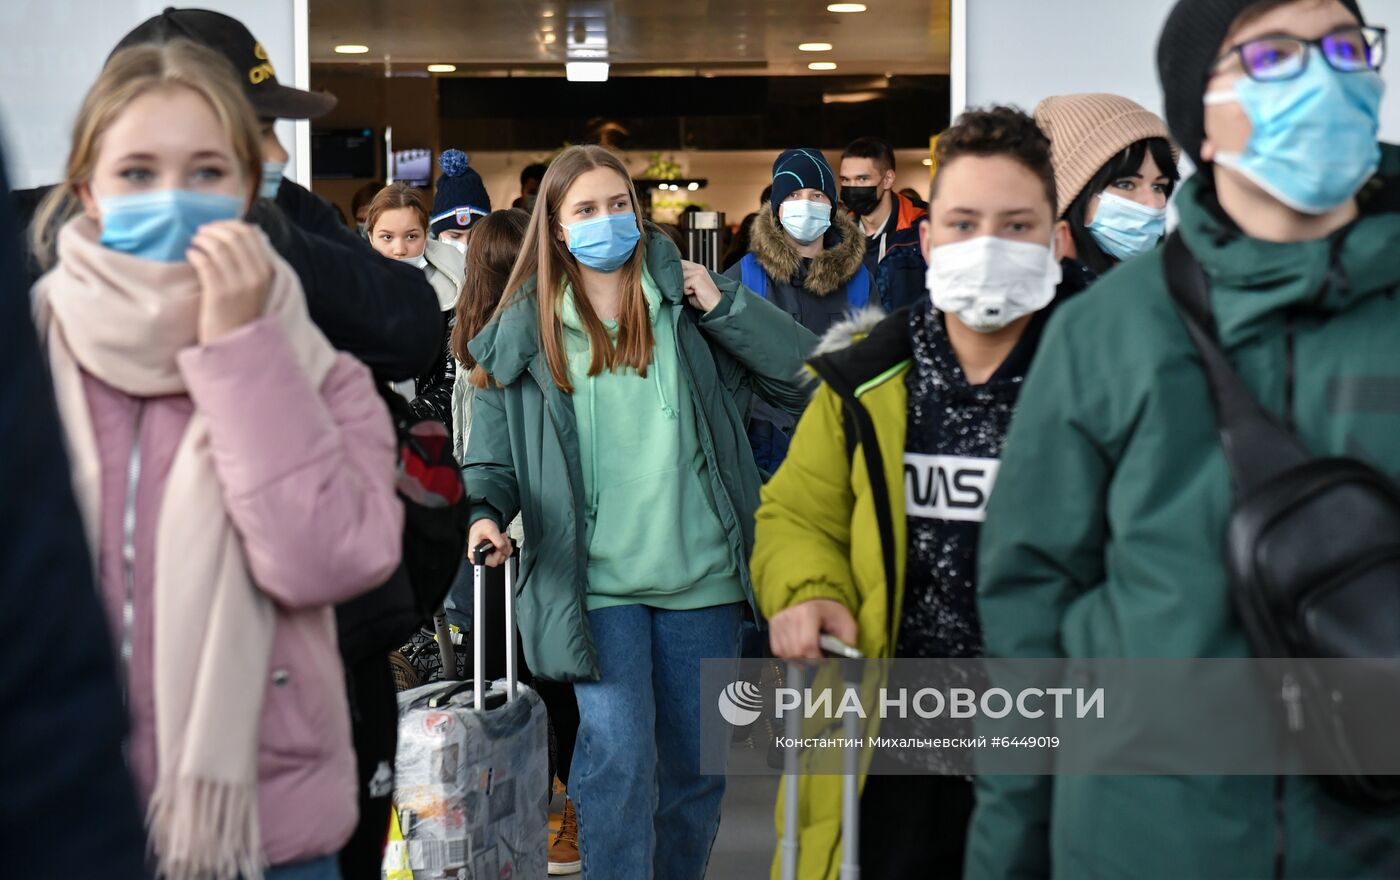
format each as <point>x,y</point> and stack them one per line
<point>471,793</point>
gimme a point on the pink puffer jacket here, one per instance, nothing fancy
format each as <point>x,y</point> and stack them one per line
<point>308,478</point>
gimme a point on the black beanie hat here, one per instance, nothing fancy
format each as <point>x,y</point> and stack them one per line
<point>1186,52</point>
<point>460,197</point>
<point>801,169</point>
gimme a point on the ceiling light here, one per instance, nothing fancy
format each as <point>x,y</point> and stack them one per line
<point>441,68</point>
<point>548,13</point>
<point>822,65</point>
<point>814,47</point>
<point>351,49</point>
<point>692,186</point>
<point>928,163</point>
<point>846,7</point>
<point>855,97</point>
<point>549,38</point>
<point>586,71</point>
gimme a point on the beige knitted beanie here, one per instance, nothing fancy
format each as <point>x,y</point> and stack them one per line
<point>1085,131</point>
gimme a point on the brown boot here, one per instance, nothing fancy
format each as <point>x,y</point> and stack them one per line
<point>563,852</point>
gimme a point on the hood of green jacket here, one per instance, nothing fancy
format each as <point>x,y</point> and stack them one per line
<point>1330,274</point>
<point>506,346</point>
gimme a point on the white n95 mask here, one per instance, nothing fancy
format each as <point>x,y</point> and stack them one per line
<point>988,282</point>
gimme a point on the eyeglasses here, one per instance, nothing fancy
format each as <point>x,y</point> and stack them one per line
<point>1274,59</point>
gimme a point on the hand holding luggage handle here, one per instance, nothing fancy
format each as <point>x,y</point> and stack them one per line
<point>479,554</point>
<point>850,776</point>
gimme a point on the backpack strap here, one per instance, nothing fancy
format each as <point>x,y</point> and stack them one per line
<point>752,275</point>
<point>1256,446</point>
<point>858,289</point>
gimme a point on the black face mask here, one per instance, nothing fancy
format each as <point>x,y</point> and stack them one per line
<point>860,199</point>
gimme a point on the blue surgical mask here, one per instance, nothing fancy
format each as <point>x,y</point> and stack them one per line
<point>604,243</point>
<point>805,220</point>
<point>159,225</point>
<point>1124,228</point>
<point>1314,139</point>
<point>271,179</point>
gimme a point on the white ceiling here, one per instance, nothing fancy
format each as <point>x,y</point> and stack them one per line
<point>680,37</point>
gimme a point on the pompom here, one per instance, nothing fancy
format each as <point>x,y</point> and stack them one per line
<point>453,163</point>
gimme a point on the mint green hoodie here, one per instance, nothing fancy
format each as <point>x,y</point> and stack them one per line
<point>654,536</point>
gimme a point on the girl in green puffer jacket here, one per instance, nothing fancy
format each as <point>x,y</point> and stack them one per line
<point>612,389</point>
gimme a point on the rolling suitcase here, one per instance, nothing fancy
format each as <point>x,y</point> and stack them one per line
<point>471,788</point>
<point>850,777</point>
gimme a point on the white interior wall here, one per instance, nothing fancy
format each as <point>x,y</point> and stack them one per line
<point>54,49</point>
<point>1019,51</point>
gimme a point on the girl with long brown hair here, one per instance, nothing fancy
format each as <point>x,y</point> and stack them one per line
<point>612,386</point>
<point>494,246</point>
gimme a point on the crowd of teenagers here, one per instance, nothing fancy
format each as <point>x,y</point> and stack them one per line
<point>690,464</point>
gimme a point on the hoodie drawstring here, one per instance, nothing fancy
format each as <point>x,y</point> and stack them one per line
<point>593,449</point>
<point>666,408</point>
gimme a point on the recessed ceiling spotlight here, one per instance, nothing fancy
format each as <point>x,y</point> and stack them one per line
<point>351,49</point>
<point>846,7</point>
<point>441,68</point>
<point>822,65</point>
<point>814,47</point>
<point>586,71</point>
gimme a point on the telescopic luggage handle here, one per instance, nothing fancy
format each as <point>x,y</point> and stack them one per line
<point>850,770</point>
<point>478,558</point>
<point>479,554</point>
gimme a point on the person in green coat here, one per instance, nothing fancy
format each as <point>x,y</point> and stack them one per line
<point>613,386</point>
<point>1105,534</point>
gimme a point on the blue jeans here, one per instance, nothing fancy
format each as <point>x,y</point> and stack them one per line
<point>460,597</point>
<point>644,809</point>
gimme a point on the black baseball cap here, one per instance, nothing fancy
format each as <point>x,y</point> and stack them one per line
<point>228,37</point>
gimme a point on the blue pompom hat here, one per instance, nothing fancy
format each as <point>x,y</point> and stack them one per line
<point>460,197</point>
<point>803,168</point>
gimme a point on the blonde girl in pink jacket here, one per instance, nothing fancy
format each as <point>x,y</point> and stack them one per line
<point>235,473</point>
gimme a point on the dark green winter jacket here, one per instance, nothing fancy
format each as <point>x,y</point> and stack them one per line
<point>1104,536</point>
<point>523,454</point>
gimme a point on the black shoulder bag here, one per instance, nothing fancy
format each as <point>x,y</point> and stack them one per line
<point>1313,558</point>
